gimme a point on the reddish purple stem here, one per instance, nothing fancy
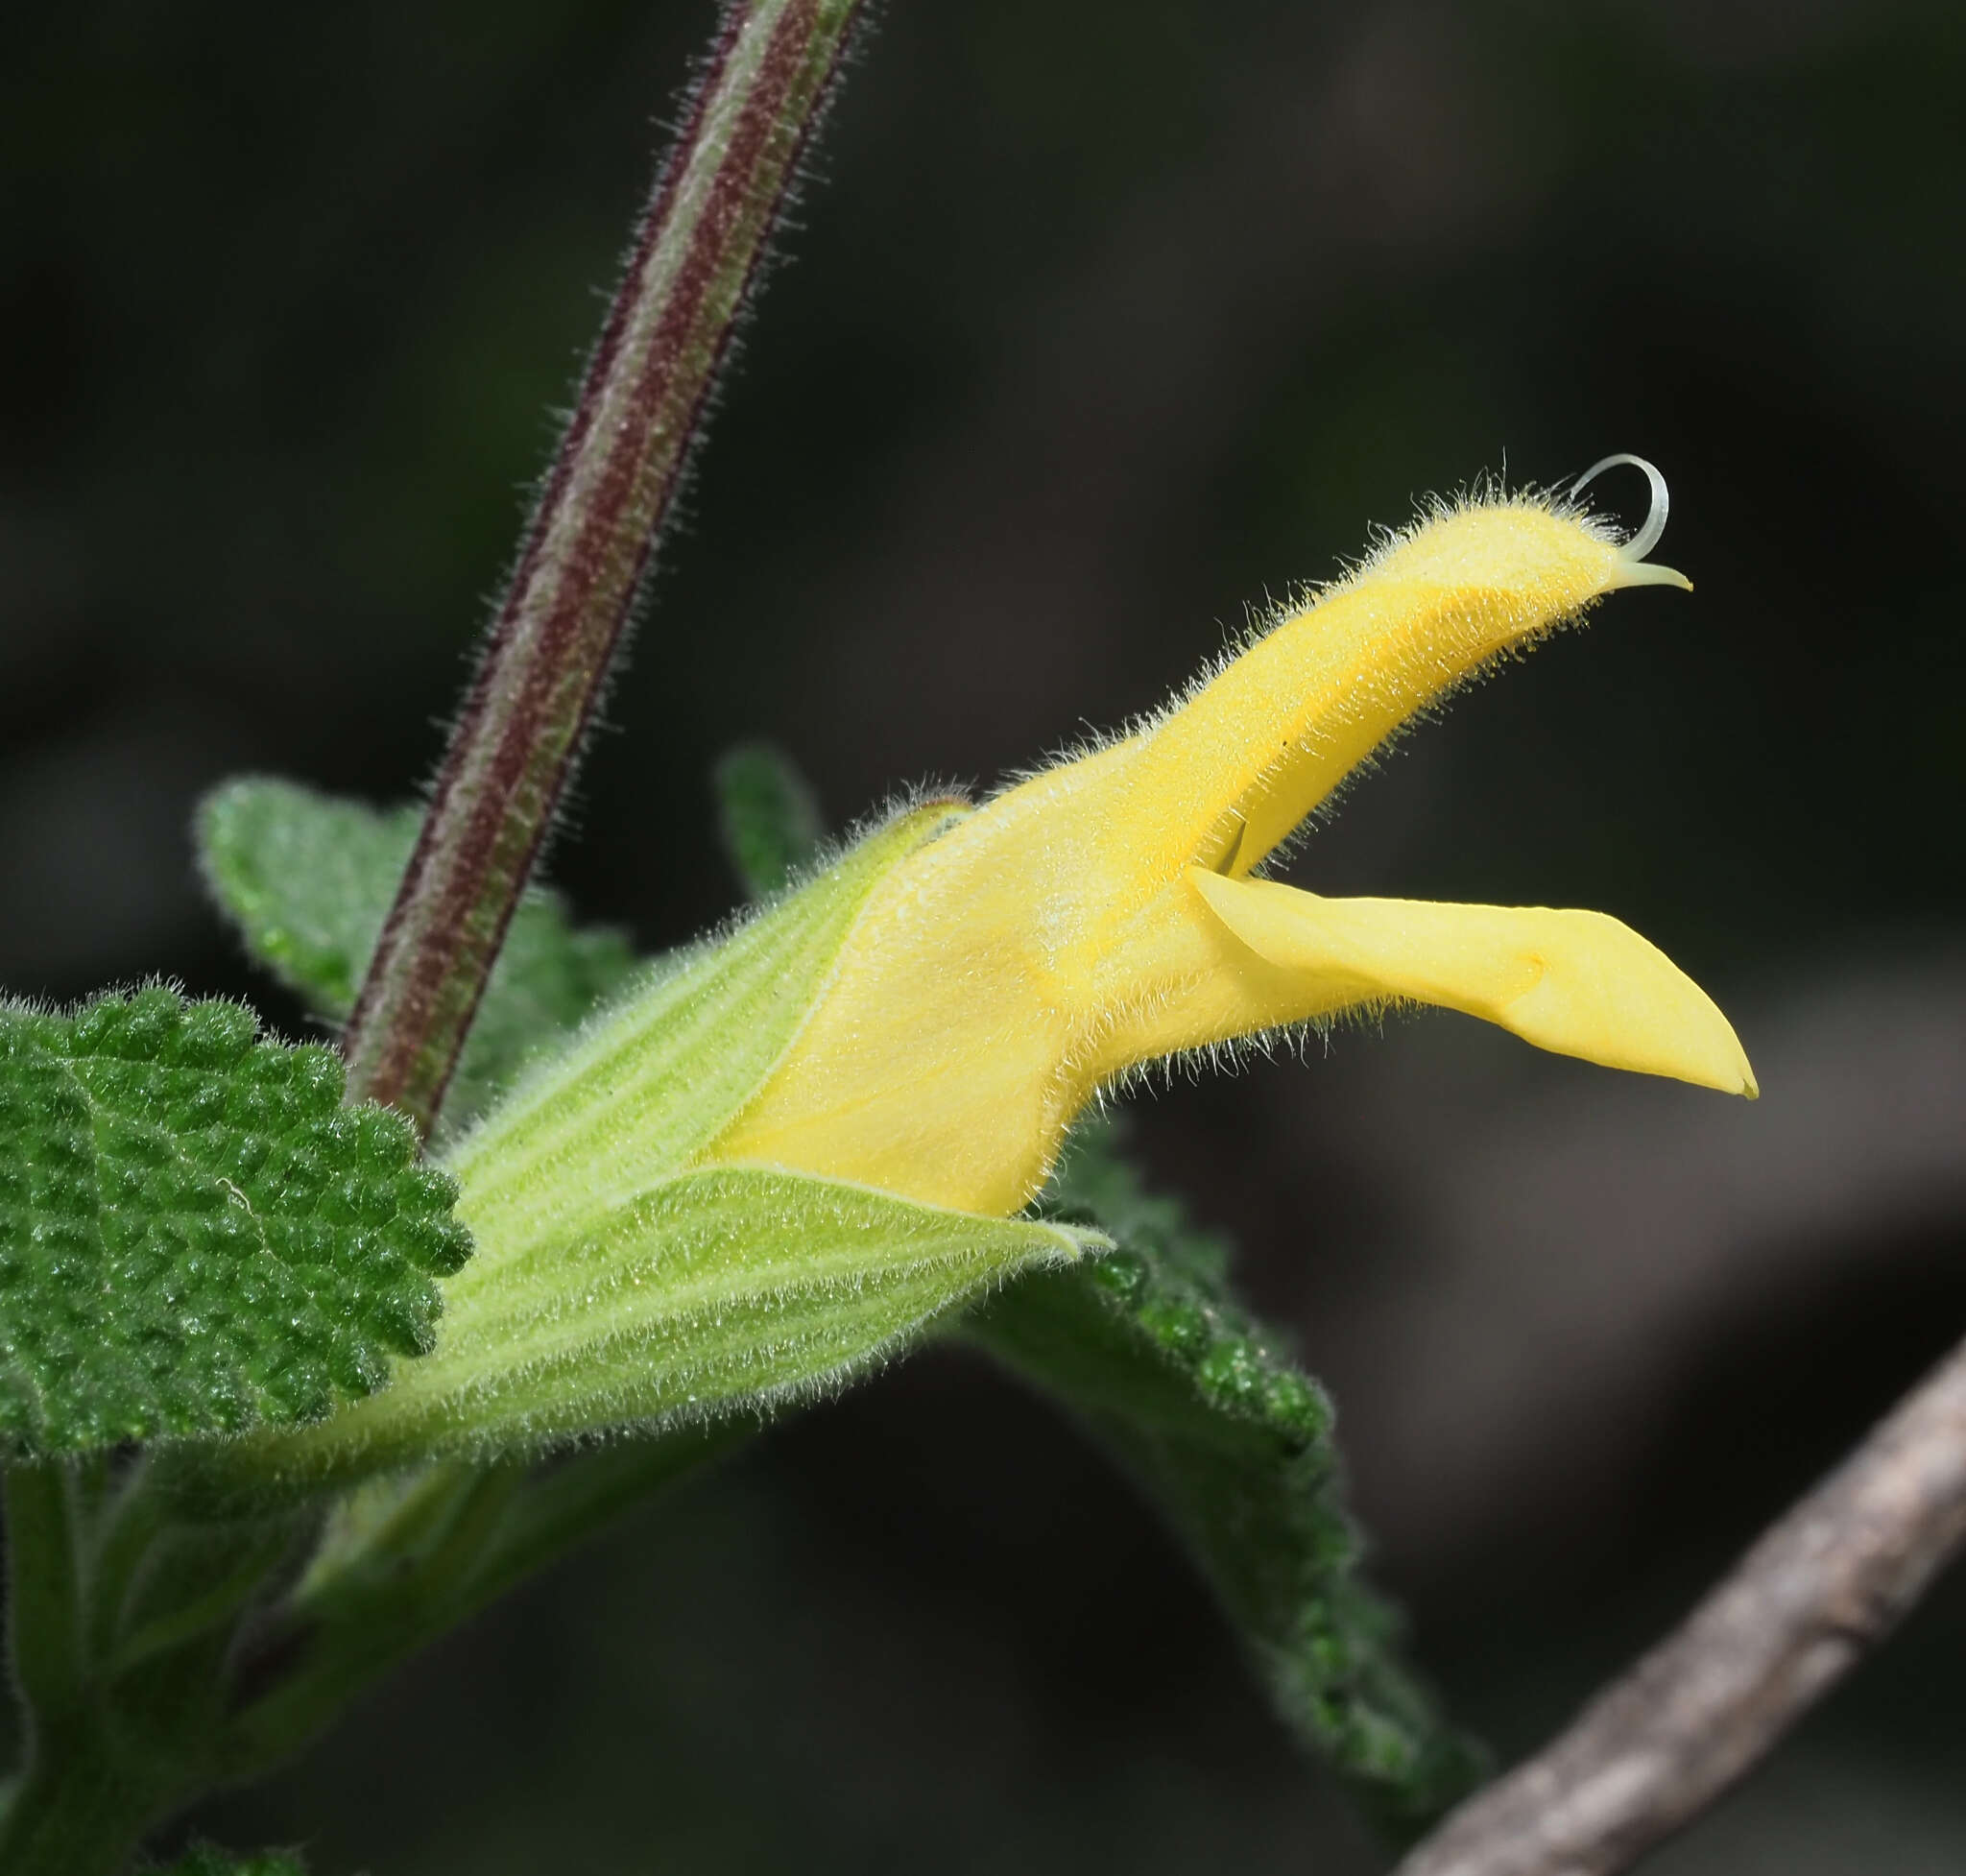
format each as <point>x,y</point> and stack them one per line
<point>612,488</point>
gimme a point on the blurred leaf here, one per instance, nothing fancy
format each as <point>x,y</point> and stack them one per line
<point>768,814</point>
<point>195,1235</point>
<point>1233,1443</point>
<point>209,1860</point>
<point>308,881</point>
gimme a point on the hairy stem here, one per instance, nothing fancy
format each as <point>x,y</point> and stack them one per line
<point>610,488</point>
<point>1820,1589</point>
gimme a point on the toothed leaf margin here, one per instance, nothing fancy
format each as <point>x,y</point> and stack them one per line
<point>196,1235</point>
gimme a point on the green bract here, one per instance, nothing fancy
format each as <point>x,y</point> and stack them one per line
<point>709,1290</point>
<point>195,1235</point>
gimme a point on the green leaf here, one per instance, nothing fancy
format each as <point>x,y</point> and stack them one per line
<point>1233,1443</point>
<point>209,1860</point>
<point>769,817</point>
<point>730,1286</point>
<point>308,881</point>
<point>195,1236</point>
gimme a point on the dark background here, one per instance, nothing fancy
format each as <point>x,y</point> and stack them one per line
<point>1110,316</point>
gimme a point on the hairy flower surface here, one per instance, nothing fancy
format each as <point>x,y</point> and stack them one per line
<point>800,1142</point>
<point>1106,913</point>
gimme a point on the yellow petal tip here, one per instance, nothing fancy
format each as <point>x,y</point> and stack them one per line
<point>1729,1073</point>
<point>1689,1039</point>
<point>1739,1076</point>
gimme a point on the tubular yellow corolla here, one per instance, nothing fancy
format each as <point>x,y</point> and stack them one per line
<point>1105,912</point>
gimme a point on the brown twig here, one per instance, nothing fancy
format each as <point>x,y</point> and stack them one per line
<point>1817,1592</point>
<point>612,488</point>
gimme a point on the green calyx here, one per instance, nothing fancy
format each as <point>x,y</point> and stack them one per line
<point>626,1277</point>
<point>645,1090</point>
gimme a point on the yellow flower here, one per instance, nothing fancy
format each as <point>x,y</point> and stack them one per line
<point>1106,912</point>
<point>796,1143</point>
